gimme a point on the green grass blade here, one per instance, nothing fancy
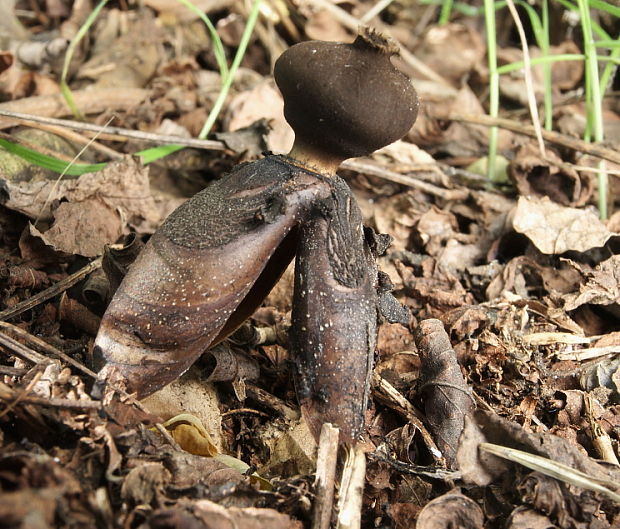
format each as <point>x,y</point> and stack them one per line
<point>64,86</point>
<point>446,11</point>
<point>218,47</point>
<point>49,162</point>
<point>489,16</point>
<point>221,98</point>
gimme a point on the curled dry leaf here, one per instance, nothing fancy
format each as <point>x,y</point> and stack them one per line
<point>453,509</point>
<point>604,373</point>
<point>555,229</point>
<point>538,177</point>
<point>447,397</point>
<point>600,286</point>
<point>482,468</point>
<point>82,228</point>
<point>189,471</point>
<point>438,289</point>
<point>545,495</point>
<point>225,364</point>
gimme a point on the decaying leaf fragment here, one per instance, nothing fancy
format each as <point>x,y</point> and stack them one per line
<point>447,398</point>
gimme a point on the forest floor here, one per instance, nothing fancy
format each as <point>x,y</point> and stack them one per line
<point>520,271</point>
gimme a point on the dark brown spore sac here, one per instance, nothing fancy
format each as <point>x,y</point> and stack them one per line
<point>334,325</point>
<point>447,397</point>
<point>204,271</point>
<point>346,100</point>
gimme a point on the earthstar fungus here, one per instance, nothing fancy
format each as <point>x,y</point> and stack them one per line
<point>215,258</point>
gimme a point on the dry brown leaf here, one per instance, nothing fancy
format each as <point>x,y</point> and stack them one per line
<point>292,451</point>
<point>555,229</point>
<point>191,435</point>
<point>482,468</point>
<point>538,177</point>
<point>181,11</point>
<point>102,204</point>
<point>189,394</point>
<point>525,518</point>
<point>601,286</point>
<point>145,484</point>
<point>82,228</point>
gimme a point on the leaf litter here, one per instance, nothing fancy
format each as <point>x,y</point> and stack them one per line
<point>519,286</point>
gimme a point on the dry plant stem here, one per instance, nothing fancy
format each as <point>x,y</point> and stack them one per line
<point>22,394</point>
<point>12,371</point>
<point>397,401</point>
<point>114,133</point>
<point>589,353</point>
<point>166,434</point>
<point>392,176</point>
<point>42,345</point>
<point>529,83</point>
<point>352,489</point>
<point>324,483</point>
<point>550,136</point>
<point>552,468</point>
<point>50,292</point>
<point>272,402</point>
<point>78,139</point>
<point>55,402</point>
<point>89,101</point>
<point>417,470</point>
<point>22,351</point>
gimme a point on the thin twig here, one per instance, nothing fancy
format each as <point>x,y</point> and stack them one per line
<point>161,139</point>
<point>375,170</point>
<point>50,292</point>
<point>61,403</point>
<point>20,396</point>
<point>383,389</point>
<point>417,470</point>
<point>22,351</point>
<point>47,348</point>
<point>271,401</point>
<point>553,137</point>
<point>171,441</point>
